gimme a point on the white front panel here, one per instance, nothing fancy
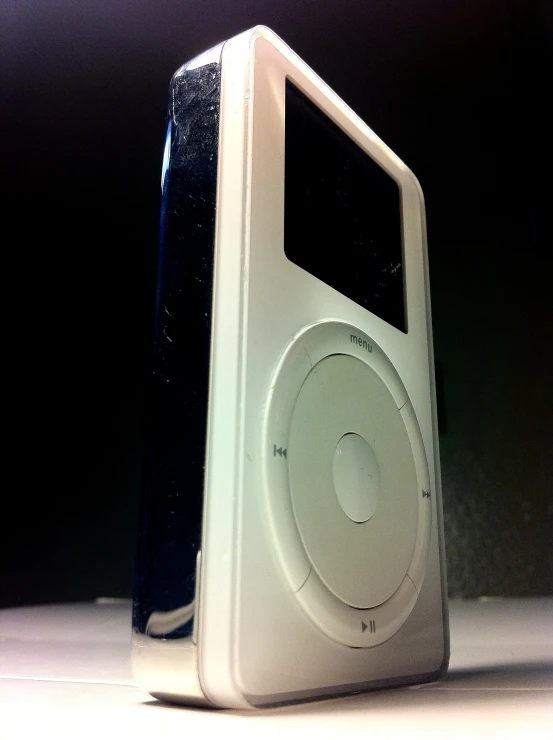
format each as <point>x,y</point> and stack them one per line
<point>271,648</point>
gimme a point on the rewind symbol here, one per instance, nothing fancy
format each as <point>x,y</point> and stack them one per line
<point>279,451</point>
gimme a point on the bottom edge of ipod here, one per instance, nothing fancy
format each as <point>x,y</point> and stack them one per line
<point>345,690</point>
<point>187,696</point>
<point>168,670</point>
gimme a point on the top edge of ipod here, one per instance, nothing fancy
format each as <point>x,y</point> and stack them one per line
<point>245,49</point>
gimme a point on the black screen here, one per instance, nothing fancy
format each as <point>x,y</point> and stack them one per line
<point>342,212</point>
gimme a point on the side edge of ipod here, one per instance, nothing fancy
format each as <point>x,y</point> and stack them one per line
<point>166,598</point>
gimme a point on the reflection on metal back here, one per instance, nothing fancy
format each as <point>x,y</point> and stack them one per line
<point>164,653</point>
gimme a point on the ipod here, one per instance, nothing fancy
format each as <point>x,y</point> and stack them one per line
<point>290,543</point>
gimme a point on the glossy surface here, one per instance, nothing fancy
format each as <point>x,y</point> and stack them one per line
<point>170,528</point>
<point>342,212</point>
<point>254,645</point>
<point>65,672</point>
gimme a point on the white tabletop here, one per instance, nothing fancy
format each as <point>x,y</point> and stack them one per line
<point>65,672</point>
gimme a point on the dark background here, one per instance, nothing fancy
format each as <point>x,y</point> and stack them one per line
<point>459,89</point>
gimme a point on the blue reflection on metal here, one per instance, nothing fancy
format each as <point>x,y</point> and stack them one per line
<point>166,155</point>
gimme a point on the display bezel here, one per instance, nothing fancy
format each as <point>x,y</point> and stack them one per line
<point>342,211</point>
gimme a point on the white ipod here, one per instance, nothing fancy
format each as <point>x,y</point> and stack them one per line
<point>291,540</point>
